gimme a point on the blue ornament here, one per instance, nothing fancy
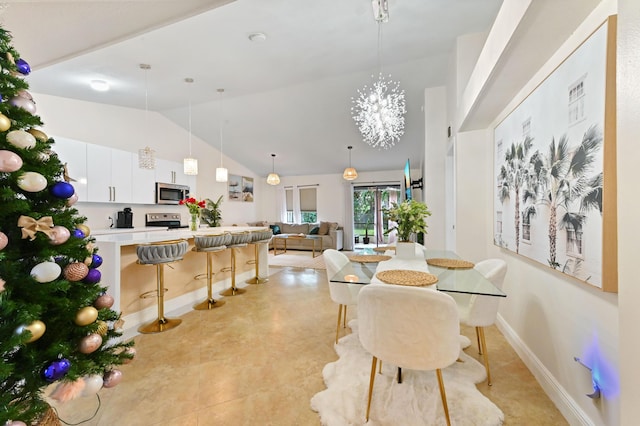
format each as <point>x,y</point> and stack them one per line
<point>78,233</point>
<point>62,190</point>
<point>56,370</point>
<point>96,261</point>
<point>23,67</point>
<point>93,276</point>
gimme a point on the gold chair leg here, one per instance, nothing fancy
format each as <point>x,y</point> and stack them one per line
<point>485,354</point>
<point>443,395</point>
<point>210,303</point>
<point>257,279</point>
<point>233,290</point>
<point>371,380</point>
<point>344,318</point>
<point>478,340</point>
<point>162,323</point>
<point>339,318</point>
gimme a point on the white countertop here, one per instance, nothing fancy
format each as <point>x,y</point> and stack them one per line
<point>154,236</point>
<point>108,231</point>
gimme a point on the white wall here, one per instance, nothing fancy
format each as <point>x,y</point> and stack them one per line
<point>126,129</point>
<point>628,207</point>
<point>548,317</point>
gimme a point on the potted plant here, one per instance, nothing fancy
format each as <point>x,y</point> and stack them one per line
<point>365,239</point>
<point>211,214</point>
<point>410,217</point>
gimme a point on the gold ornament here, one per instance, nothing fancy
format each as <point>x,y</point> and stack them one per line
<point>75,271</point>
<point>38,134</point>
<point>88,260</point>
<point>86,316</point>
<point>37,329</point>
<point>103,327</point>
<point>10,58</point>
<point>85,229</point>
<point>5,123</point>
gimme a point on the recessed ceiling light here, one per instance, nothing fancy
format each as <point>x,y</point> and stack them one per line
<point>257,37</point>
<point>99,85</point>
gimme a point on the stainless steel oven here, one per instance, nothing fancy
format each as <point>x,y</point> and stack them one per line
<point>170,193</point>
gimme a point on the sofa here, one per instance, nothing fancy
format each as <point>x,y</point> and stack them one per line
<point>331,233</point>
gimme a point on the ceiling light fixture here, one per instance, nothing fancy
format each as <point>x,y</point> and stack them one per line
<point>222,174</point>
<point>190,163</point>
<point>379,110</point>
<point>146,156</point>
<point>257,37</point>
<point>350,173</point>
<point>99,85</point>
<point>273,178</point>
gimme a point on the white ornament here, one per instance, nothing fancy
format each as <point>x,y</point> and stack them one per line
<point>21,139</point>
<point>32,182</point>
<point>46,272</point>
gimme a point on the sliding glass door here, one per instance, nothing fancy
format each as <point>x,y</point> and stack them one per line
<point>369,222</point>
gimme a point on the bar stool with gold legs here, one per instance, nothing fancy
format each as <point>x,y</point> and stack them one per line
<point>159,254</point>
<point>238,240</point>
<point>210,244</point>
<point>257,238</point>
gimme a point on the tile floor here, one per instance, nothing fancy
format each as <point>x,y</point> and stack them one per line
<point>258,359</point>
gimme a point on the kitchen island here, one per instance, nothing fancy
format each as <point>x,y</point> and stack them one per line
<point>126,280</point>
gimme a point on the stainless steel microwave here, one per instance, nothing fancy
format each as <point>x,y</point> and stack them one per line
<point>170,193</point>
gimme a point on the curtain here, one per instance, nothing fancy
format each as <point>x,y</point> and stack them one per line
<point>348,219</point>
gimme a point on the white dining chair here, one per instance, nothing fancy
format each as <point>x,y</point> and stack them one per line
<point>410,327</point>
<point>341,293</point>
<point>481,311</point>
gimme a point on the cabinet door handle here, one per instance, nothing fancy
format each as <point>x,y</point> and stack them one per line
<point>114,193</point>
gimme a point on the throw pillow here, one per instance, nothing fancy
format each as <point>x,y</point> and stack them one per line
<point>324,228</point>
<point>275,229</point>
<point>314,230</point>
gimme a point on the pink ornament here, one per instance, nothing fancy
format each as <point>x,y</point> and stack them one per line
<point>4,240</point>
<point>59,235</point>
<point>9,161</point>
<point>72,200</point>
<point>2,283</point>
<point>112,378</point>
<point>75,271</point>
<point>90,343</point>
<point>104,301</point>
<point>129,351</point>
<point>15,423</point>
<point>23,103</point>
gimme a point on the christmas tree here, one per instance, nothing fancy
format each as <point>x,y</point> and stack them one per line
<point>56,322</point>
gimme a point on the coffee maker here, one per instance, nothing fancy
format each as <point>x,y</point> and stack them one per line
<point>124,218</point>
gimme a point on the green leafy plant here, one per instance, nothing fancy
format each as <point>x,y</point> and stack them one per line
<point>410,217</point>
<point>211,213</point>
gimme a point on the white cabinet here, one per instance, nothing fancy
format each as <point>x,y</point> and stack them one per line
<point>143,183</point>
<point>73,153</point>
<point>171,172</point>
<point>108,174</point>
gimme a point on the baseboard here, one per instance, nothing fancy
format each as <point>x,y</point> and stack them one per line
<point>177,306</point>
<point>554,390</point>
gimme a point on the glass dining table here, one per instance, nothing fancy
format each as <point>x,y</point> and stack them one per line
<point>468,280</point>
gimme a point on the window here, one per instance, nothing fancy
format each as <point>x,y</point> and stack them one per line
<point>288,192</point>
<point>308,209</point>
<point>576,101</point>
<point>526,128</point>
<point>574,241</point>
<point>526,227</point>
<point>499,223</point>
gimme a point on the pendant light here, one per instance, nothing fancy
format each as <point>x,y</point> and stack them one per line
<point>350,173</point>
<point>222,174</point>
<point>190,163</point>
<point>273,178</point>
<point>146,155</point>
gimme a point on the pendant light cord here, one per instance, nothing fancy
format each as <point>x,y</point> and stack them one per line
<point>221,91</point>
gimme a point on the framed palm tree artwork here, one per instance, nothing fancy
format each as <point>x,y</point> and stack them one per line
<point>554,157</point>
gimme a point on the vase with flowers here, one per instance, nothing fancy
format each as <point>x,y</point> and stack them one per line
<point>194,207</point>
<point>410,218</point>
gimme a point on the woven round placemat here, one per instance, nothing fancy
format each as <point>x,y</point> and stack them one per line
<point>450,263</point>
<point>405,277</point>
<point>383,249</point>
<point>369,258</point>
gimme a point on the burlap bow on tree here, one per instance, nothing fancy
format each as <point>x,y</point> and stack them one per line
<point>30,226</point>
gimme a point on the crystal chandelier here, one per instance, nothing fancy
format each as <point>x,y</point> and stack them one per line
<point>146,155</point>
<point>190,163</point>
<point>379,110</point>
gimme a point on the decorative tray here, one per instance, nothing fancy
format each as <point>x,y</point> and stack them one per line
<point>406,277</point>
<point>369,258</point>
<point>450,263</point>
<point>382,249</point>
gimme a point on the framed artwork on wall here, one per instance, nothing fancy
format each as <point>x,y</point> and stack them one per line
<point>235,187</point>
<point>554,161</point>
<point>247,189</point>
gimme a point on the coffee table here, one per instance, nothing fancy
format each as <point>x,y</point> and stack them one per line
<point>285,237</point>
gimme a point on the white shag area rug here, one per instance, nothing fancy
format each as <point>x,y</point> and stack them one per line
<point>299,259</point>
<point>415,401</point>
